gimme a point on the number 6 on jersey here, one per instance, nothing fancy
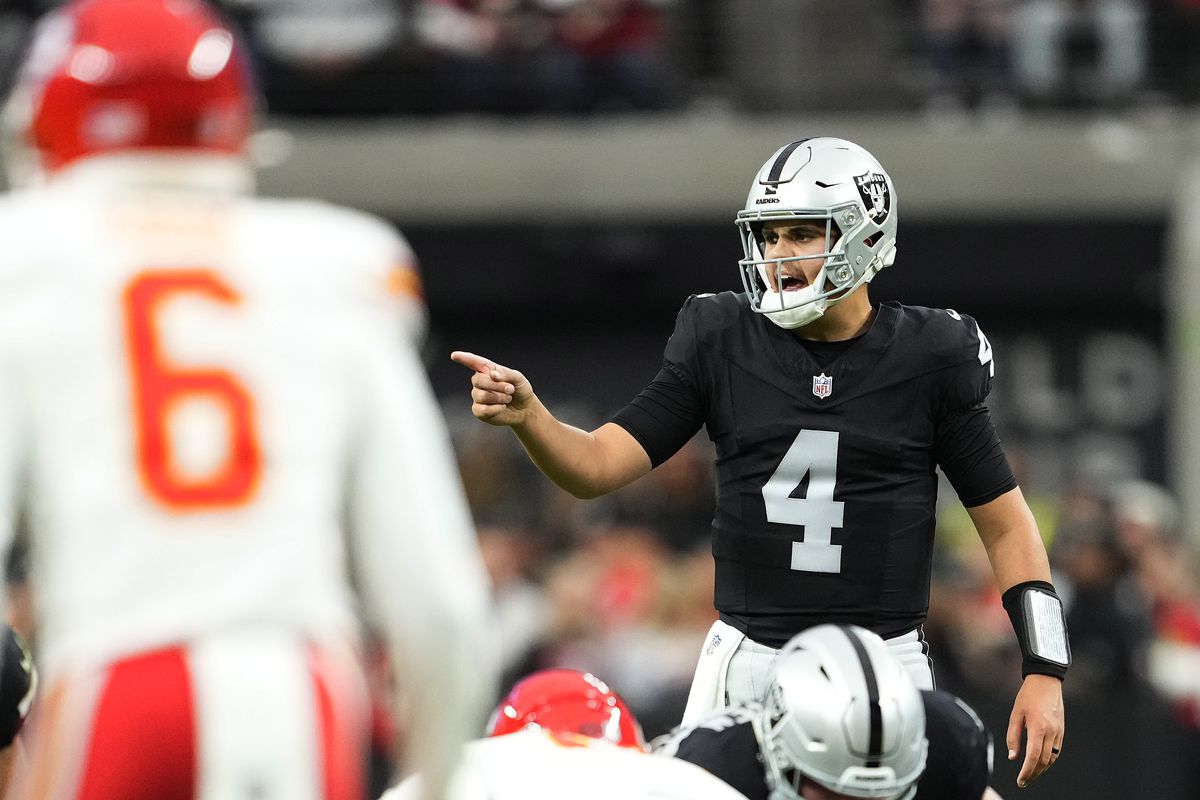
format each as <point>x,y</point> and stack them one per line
<point>813,453</point>
<point>159,387</point>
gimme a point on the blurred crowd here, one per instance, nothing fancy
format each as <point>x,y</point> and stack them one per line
<point>573,57</point>
<point>623,585</point>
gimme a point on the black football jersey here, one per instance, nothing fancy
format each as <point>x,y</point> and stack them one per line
<point>959,764</point>
<point>957,767</point>
<point>725,744</point>
<point>826,463</point>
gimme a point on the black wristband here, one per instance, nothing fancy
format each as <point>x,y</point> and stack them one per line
<point>1041,627</point>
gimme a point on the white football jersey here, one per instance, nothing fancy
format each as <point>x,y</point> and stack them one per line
<point>537,765</point>
<point>211,410</point>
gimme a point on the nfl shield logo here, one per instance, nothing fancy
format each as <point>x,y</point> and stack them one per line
<point>822,385</point>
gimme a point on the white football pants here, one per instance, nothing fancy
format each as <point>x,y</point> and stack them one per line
<point>734,668</point>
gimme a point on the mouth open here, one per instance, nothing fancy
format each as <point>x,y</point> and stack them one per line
<point>790,283</point>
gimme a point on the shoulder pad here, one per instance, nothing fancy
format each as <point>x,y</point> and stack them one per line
<point>945,334</point>
<point>714,310</point>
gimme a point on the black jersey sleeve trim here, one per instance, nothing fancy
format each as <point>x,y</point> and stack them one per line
<point>967,448</point>
<point>663,416</point>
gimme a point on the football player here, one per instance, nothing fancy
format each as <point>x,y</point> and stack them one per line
<point>561,733</point>
<point>830,415</point>
<point>210,415</point>
<point>842,719</point>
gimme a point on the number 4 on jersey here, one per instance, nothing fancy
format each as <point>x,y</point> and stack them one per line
<point>813,453</point>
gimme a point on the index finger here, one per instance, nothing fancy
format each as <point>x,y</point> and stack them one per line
<point>472,361</point>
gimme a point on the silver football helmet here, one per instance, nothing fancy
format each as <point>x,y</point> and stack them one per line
<point>834,182</point>
<point>842,712</point>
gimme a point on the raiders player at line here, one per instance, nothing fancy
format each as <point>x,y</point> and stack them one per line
<point>830,415</point>
<point>842,720</point>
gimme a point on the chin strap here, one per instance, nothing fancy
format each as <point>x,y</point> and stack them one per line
<point>1037,617</point>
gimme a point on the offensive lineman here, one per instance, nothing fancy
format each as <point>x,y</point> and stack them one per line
<point>830,415</point>
<point>842,720</point>
<point>210,411</point>
<point>561,733</point>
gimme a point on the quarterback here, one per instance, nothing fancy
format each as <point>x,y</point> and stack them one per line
<point>830,415</point>
<point>211,413</point>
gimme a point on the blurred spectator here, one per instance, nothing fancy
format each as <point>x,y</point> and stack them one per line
<point>677,499</point>
<point>1175,43</point>
<point>1143,513</point>
<point>607,55</point>
<point>968,626</point>
<point>520,612</point>
<point>619,603</point>
<point>1049,34</point>
<point>967,47</point>
<point>1108,614</point>
<point>1170,576</point>
<point>483,54</point>
<point>348,57</point>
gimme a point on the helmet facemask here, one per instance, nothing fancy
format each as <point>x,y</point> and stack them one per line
<point>796,308</point>
<point>835,184</point>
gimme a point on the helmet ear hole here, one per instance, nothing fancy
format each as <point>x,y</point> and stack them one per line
<point>873,239</point>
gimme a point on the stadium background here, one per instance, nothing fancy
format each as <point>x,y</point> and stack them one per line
<point>562,241</point>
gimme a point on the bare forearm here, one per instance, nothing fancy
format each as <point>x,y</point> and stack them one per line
<point>585,464</point>
<point>1018,556</point>
<point>1010,535</point>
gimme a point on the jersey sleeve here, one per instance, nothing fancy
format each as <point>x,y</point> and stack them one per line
<point>968,382</point>
<point>724,745</point>
<point>666,414</point>
<point>966,444</point>
<point>960,750</point>
<point>417,563</point>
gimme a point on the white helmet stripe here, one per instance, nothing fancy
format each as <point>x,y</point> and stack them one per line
<point>875,738</point>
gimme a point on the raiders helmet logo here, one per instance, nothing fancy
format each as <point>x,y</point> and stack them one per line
<point>873,188</point>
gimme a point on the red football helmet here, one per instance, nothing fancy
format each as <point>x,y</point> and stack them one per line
<point>111,75</point>
<point>567,701</point>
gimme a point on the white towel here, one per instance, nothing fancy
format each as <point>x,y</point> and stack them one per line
<point>708,685</point>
